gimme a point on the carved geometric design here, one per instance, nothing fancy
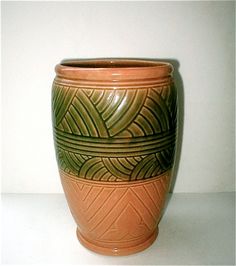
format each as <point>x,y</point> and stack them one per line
<point>114,134</point>
<point>116,213</point>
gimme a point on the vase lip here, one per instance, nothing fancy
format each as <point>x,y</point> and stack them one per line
<point>114,70</point>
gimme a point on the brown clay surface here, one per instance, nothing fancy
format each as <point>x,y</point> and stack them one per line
<point>116,218</point>
<point>104,73</point>
<point>114,124</point>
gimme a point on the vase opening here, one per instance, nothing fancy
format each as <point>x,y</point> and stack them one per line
<point>125,72</point>
<point>111,63</point>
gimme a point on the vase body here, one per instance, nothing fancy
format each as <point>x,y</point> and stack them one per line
<point>114,124</point>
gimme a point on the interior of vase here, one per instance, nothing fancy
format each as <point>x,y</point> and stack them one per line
<point>116,63</point>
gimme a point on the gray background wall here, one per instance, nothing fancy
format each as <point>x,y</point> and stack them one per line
<point>198,37</point>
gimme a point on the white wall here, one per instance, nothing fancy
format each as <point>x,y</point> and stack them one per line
<point>199,35</point>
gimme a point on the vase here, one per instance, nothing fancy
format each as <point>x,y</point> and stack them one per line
<point>114,124</point>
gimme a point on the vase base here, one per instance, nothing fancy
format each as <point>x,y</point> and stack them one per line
<point>117,251</point>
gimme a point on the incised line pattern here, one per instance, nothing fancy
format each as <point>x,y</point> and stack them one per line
<point>114,134</point>
<point>112,205</point>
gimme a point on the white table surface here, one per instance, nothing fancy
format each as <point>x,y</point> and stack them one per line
<point>196,229</point>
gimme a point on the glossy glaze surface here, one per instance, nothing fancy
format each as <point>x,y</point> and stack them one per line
<point>119,134</point>
<point>114,124</point>
<point>118,219</point>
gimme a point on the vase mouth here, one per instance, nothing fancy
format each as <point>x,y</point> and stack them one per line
<point>111,63</point>
<point>114,70</point>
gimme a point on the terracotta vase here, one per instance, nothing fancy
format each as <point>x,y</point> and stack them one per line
<point>114,123</point>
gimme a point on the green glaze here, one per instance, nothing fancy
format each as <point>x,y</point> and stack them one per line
<point>114,135</point>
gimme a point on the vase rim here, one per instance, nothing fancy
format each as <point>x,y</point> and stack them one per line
<point>114,70</point>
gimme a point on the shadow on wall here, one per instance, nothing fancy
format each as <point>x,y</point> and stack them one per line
<point>178,81</point>
<point>180,126</point>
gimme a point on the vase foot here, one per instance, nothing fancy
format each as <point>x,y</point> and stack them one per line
<point>114,251</point>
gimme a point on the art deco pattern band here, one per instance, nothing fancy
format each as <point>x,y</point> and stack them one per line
<point>114,134</point>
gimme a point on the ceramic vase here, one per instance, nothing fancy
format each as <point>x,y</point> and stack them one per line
<point>114,124</point>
